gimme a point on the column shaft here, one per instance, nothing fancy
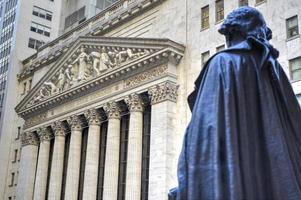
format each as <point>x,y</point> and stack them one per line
<point>112,160</point>
<point>28,163</point>
<point>110,190</point>
<point>42,170</point>
<point>134,158</point>
<point>92,159</point>
<point>73,167</point>
<point>56,174</point>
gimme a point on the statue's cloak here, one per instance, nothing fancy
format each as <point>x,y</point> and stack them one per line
<point>244,138</point>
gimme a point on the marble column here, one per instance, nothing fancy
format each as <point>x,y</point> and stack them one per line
<point>28,163</point>
<point>110,191</point>
<point>74,158</point>
<point>92,155</point>
<point>43,161</point>
<point>57,165</point>
<point>134,156</point>
<point>162,174</point>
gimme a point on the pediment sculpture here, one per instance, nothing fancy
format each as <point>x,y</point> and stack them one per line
<point>84,64</point>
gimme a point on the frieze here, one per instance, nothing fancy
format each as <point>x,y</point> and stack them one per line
<point>162,92</point>
<point>145,76</point>
<point>35,120</point>
<point>29,138</point>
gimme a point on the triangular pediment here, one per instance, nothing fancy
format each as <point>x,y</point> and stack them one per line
<point>94,60</point>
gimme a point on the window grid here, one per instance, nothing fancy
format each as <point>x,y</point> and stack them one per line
<point>205,17</point>
<point>295,69</point>
<point>219,6</point>
<point>292,27</point>
<point>38,28</point>
<point>42,13</point>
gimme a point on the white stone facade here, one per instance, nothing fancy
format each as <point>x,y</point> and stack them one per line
<point>108,64</point>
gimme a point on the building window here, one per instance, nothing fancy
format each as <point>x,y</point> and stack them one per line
<point>205,57</point>
<point>35,44</point>
<point>77,16</point>
<point>42,13</point>
<point>102,4</point>
<point>12,180</point>
<point>243,3</point>
<point>259,1</point>
<point>205,17</point>
<point>295,69</point>
<point>292,28</point>
<point>124,133</point>
<point>220,48</point>
<point>102,159</point>
<point>219,9</point>
<point>145,152</point>
<point>15,156</point>
<point>41,29</point>
<point>18,133</point>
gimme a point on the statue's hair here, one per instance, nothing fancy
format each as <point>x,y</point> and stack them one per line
<point>247,22</point>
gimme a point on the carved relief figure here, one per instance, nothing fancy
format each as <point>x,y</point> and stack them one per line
<point>81,60</point>
<point>52,87</point>
<point>105,58</point>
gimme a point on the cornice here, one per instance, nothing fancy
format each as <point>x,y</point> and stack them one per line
<point>172,52</point>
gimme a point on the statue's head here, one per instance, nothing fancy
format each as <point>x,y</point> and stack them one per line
<point>244,22</point>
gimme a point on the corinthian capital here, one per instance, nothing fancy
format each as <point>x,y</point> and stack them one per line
<point>44,134</point>
<point>59,128</point>
<point>134,102</point>
<point>162,92</point>
<point>75,123</point>
<point>113,110</point>
<point>93,117</point>
<point>29,138</point>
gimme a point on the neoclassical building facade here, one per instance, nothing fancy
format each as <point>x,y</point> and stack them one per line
<point>100,112</point>
<point>100,119</point>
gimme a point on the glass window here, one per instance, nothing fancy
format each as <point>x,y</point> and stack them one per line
<point>259,1</point>
<point>219,8</point>
<point>220,48</point>
<point>299,98</point>
<point>243,3</point>
<point>205,57</point>
<point>205,17</point>
<point>42,13</point>
<point>295,69</point>
<point>292,27</point>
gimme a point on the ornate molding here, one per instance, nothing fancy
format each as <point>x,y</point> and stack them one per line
<point>162,92</point>
<point>59,128</point>
<point>134,102</point>
<point>75,123</point>
<point>29,138</point>
<point>44,134</point>
<point>92,116</point>
<point>112,110</point>
<point>37,119</point>
<point>145,76</point>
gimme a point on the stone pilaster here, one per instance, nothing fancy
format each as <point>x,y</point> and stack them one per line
<point>134,157</point>
<point>92,155</point>
<point>74,158</point>
<point>112,152</point>
<point>162,151</point>
<point>27,166</point>
<point>43,160</point>
<point>56,175</point>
